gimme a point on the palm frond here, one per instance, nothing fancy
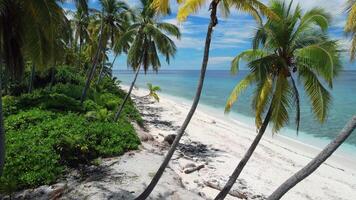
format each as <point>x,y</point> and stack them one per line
<point>239,88</point>
<point>319,96</point>
<point>248,56</point>
<point>281,102</point>
<point>189,7</point>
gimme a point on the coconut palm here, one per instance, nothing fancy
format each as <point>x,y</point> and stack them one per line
<point>110,23</point>
<point>149,39</point>
<point>80,24</point>
<point>153,91</point>
<point>27,28</point>
<point>350,26</point>
<point>295,45</point>
<point>191,6</point>
<point>316,162</point>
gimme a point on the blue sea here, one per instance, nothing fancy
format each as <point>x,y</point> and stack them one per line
<point>219,84</point>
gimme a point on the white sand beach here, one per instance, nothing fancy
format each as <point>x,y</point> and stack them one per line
<point>275,159</point>
<point>213,143</point>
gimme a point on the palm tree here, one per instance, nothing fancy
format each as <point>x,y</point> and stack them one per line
<point>80,24</point>
<point>316,162</point>
<point>149,39</point>
<point>297,44</point>
<point>27,28</point>
<point>153,91</point>
<point>350,26</point>
<point>188,7</point>
<point>114,16</point>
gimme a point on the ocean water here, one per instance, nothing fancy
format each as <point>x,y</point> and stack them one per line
<point>219,83</point>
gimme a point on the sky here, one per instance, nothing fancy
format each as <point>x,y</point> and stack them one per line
<point>231,36</point>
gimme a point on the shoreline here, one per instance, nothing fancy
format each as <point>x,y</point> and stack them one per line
<point>231,136</point>
<point>346,152</point>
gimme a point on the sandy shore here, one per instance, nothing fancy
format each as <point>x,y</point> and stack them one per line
<point>214,144</point>
<point>274,160</point>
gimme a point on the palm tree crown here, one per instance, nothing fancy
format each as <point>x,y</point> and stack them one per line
<point>148,38</point>
<point>350,26</point>
<point>295,45</point>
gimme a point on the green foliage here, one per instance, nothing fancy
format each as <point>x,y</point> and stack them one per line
<point>66,74</point>
<point>294,45</point>
<point>61,102</point>
<point>48,130</point>
<point>68,89</point>
<point>41,143</point>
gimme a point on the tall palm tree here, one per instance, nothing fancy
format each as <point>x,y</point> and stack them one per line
<point>113,17</point>
<point>316,162</point>
<point>350,26</point>
<point>27,28</point>
<point>149,39</point>
<point>80,24</point>
<point>295,45</point>
<point>189,7</point>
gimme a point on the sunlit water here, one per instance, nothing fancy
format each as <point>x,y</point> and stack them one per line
<point>218,85</point>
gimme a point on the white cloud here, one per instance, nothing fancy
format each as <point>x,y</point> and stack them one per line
<point>220,60</point>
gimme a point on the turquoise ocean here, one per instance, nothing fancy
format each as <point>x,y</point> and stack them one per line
<point>219,83</point>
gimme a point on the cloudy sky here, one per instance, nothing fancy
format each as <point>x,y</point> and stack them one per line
<point>232,34</point>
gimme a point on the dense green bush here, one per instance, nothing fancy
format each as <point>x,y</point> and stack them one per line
<point>61,102</point>
<point>40,143</point>
<point>48,130</point>
<point>67,74</point>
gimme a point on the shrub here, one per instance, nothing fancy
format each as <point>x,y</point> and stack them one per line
<point>66,74</point>
<point>90,105</point>
<point>41,143</point>
<point>9,105</point>
<point>61,102</point>
<point>70,90</point>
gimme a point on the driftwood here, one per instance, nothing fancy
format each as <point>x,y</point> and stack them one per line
<point>233,193</point>
<point>193,169</point>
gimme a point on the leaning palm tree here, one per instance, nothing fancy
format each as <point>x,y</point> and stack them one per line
<point>191,6</point>
<point>27,28</point>
<point>295,45</point>
<point>153,91</point>
<point>149,39</point>
<point>350,26</point>
<point>110,22</point>
<point>316,162</point>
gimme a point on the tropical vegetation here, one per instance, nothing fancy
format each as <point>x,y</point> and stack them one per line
<point>350,27</point>
<point>153,91</point>
<point>61,107</point>
<point>296,45</point>
<point>149,38</point>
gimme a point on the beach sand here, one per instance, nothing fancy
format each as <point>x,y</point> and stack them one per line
<point>213,143</point>
<point>275,159</point>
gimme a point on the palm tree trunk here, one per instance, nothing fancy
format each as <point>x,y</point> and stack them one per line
<point>155,179</point>
<point>316,162</point>
<point>32,77</point>
<point>2,129</point>
<point>80,51</point>
<point>92,69</point>
<point>118,113</point>
<point>101,72</point>
<point>222,194</point>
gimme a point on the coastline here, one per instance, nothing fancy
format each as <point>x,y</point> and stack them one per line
<point>275,159</point>
<point>347,157</point>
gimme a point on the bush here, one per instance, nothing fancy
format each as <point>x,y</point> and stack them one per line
<point>90,105</point>
<point>41,143</point>
<point>61,102</point>
<point>66,74</point>
<point>9,105</point>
